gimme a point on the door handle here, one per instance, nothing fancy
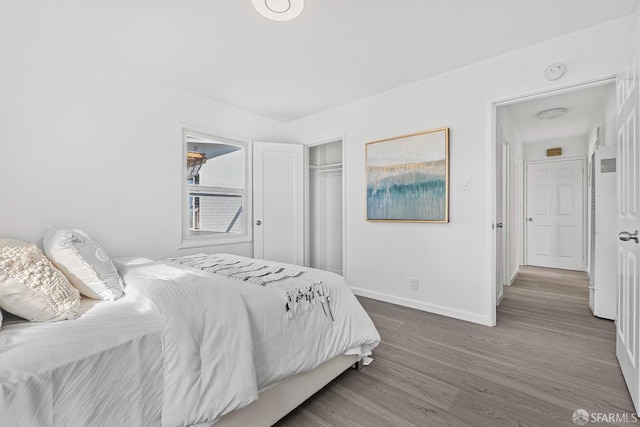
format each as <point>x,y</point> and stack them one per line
<point>258,222</point>
<point>499,225</point>
<point>625,236</point>
<point>530,219</point>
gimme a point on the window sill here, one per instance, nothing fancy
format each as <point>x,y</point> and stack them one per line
<point>204,241</point>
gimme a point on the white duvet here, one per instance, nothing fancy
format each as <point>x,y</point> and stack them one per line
<point>285,347</point>
<point>182,347</point>
<point>102,369</point>
<point>208,356</point>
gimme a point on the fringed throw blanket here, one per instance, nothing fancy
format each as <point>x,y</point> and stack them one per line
<point>307,292</point>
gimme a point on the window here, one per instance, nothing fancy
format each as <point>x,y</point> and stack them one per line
<point>215,203</point>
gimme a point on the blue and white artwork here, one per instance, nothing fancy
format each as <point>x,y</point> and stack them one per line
<point>407,178</point>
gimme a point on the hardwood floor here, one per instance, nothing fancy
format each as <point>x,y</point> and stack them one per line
<point>547,357</point>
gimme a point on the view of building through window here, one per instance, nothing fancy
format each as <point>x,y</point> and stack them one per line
<point>215,174</point>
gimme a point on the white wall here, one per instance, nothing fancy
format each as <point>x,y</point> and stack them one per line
<point>604,125</point>
<point>91,147</point>
<point>571,148</point>
<point>454,261</point>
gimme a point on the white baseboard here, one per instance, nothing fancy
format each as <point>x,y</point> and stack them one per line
<point>514,276</point>
<point>419,305</point>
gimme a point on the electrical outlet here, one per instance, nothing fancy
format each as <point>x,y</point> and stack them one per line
<point>413,283</point>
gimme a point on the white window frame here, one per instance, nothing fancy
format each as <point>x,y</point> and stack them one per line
<point>202,239</point>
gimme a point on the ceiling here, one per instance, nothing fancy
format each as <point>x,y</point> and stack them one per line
<point>335,52</point>
<point>583,105</point>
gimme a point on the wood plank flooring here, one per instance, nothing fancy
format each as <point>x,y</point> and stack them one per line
<point>547,357</point>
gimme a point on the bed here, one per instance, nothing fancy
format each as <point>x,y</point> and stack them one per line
<point>208,339</point>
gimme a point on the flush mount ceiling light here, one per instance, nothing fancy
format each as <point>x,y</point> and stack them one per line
<point>552,113</point>
<point>279,10</point>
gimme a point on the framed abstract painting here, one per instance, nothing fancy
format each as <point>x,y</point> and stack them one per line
<point>408,177</point>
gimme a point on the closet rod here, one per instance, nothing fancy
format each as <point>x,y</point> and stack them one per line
<point>331,166</point>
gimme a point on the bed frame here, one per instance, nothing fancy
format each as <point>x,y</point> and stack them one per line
<point>277,401</point>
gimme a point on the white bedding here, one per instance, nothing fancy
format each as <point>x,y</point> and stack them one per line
<point>100,369</point>
<point>285,347</point>
<point>208,353</point>
<point>182,346</point>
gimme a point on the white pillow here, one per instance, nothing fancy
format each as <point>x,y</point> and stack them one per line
<point>31,287</point>
<point>84,262</point>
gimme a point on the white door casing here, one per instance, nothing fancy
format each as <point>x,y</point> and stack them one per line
<point>555,214</point>
<point>278,202</point>
<point>627,316</point>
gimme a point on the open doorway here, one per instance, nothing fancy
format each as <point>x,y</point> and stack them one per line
<point>545,147</point>
<point>325,206</point>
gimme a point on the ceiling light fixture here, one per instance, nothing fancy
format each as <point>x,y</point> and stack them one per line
<point>552,113</point>
<point>279,10</point>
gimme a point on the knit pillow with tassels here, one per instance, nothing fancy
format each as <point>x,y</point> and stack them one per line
<point>31,287</point>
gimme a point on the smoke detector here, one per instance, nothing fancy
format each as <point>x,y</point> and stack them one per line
<point>554,71</point>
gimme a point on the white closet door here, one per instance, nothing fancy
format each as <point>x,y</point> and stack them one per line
<point>278,202</point>
<point>555,232</point>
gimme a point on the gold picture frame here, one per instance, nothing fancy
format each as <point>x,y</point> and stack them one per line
<point>407,177</point>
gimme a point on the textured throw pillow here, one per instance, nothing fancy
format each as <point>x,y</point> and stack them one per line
<point>84,262</point>
<point>31,287</point>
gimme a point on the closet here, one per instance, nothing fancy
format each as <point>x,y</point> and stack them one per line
<point>325,207</point>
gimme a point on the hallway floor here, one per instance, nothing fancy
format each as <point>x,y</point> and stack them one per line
<point>546,358</point>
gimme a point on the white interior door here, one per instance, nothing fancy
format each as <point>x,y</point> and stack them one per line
<point>627,319</point>
<point>278,202</point>
<point>500,208</point>
<point>506,219</point>
<point>555,214</point>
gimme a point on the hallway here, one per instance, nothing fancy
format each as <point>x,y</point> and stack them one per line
<point>569,346</point>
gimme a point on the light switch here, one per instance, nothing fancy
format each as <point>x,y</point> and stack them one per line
<point>466,183</point>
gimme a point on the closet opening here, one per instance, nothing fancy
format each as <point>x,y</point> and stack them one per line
<point>325,231</point>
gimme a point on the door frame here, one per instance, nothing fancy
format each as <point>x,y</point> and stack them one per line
<point>492,105</point>
<point>584,209</point>
<point>307,225</point>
